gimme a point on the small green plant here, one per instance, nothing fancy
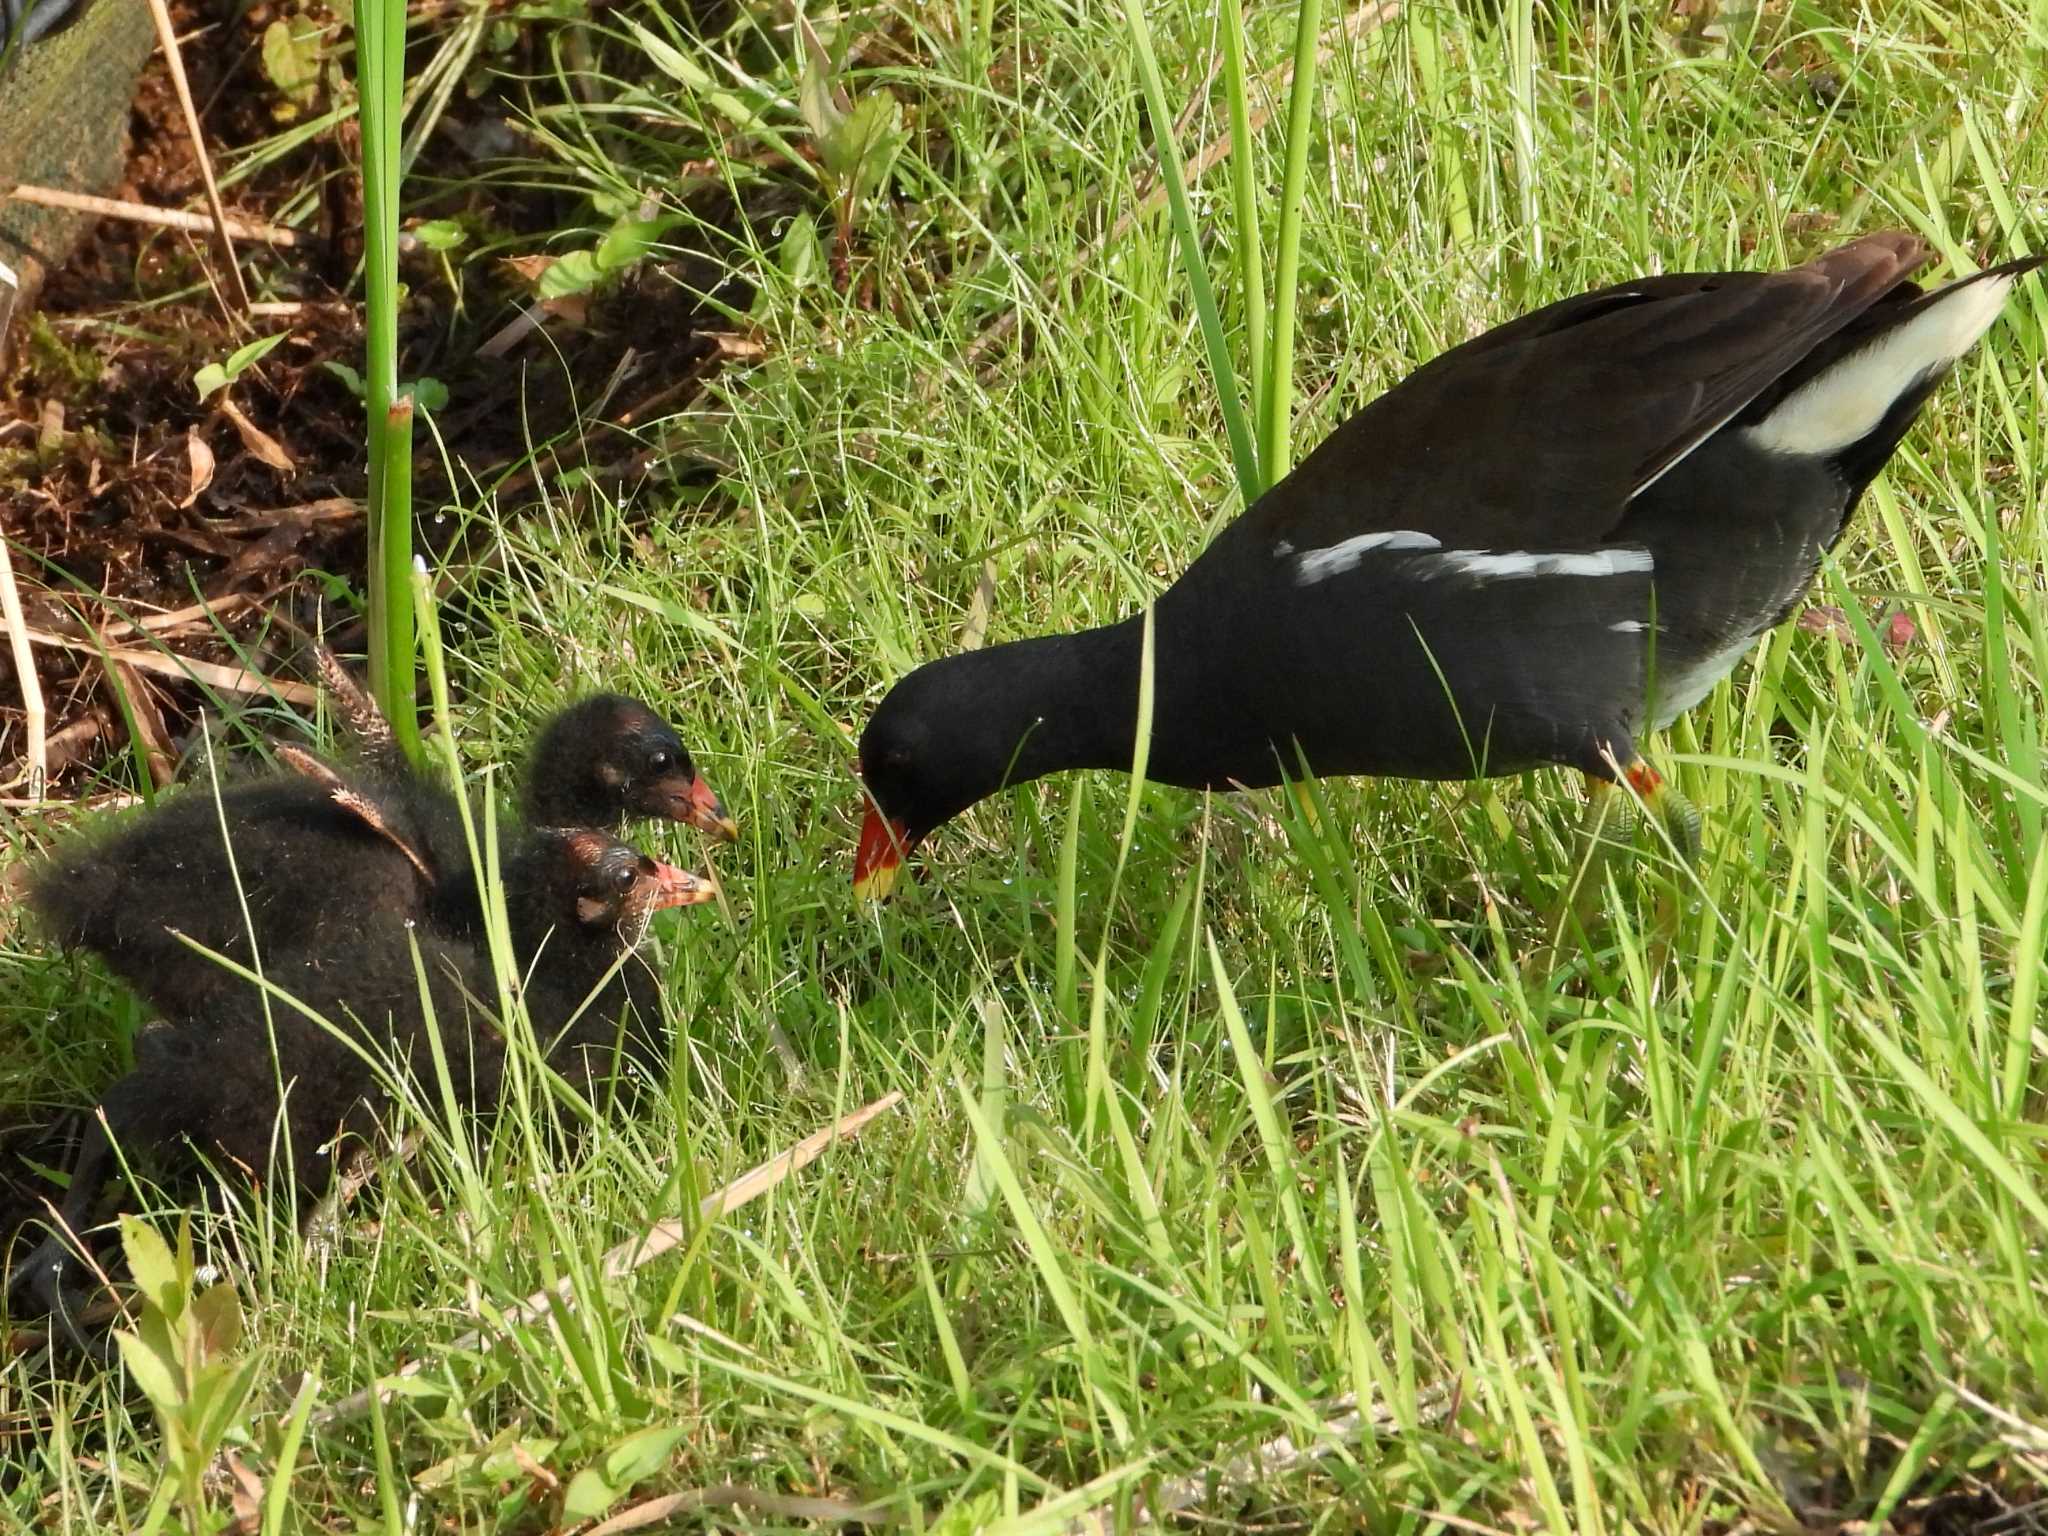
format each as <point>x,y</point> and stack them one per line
<point>215,377</point>
<point>857,140</point>
<point>185,1355</point>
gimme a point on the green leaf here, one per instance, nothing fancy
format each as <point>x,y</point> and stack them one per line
<point>291,60</point>
<point>427,394</point>
<point>155,1375</point>
<point>801,254</point>
<point>814,101</point>
<point>576,272</point>
<point>150,1263</point>
<point>589,1496</point>
<point>862,147</point>
<point>439,234</point>
<point>641,1455</point>
<point>341,371</point>
<point>217,375</point>
<point>628,242</point>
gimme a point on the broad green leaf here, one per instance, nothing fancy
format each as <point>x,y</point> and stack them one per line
<point>588,1496</point>
<point>150,1263</point>
<point>150,1371</point>
<point>576,272</point>
<point>291,61</point>
<point>439,234</point>
<point>642,1455</point>
<point>217,1311</point>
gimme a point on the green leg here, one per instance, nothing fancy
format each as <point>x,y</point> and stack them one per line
<point>1679,817</point>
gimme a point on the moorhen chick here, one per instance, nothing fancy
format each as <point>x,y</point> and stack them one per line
<point>295,863</point>
<point>1550,539</point>
<point>577,904</point>
<point>596,763</point>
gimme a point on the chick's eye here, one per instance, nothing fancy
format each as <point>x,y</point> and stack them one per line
<point>623,877</point>
<point>661,762</point>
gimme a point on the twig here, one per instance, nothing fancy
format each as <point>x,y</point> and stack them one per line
<point>33,716</point>
<point>188,669</point>
<point>165,218</point>
<point>649,1245</point>
<point>178,618</point>
<point>1364,19</point>
<point>168,36</point>
<point>149,725</point>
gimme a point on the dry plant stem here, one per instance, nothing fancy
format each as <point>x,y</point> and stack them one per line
<point>164,218</point>
<point>33,715</point>
<point>651,1244</point>
<point>168,36</point>
<point>187,669</point>
<point>1275,81</point>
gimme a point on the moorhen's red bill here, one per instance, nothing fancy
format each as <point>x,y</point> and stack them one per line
<point>1550,539</point>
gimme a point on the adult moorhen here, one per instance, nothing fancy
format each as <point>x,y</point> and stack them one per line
<point>212,1072</point>
<point>1554,537</point>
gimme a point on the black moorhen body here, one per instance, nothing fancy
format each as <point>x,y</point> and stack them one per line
<point>1548,540</point>
<point>210,1073</point>
<point>298,863</point>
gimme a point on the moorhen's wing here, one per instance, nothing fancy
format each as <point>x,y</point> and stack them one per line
<point>1535,435</point>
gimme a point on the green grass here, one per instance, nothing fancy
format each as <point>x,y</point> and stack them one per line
<point>1214,1128</point>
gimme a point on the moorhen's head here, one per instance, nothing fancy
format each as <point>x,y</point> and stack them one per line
<point>944,738</point>
<point>609,757</point>
<point>586,884</point>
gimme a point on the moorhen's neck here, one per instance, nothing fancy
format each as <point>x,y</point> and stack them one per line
<point>1056,702</point>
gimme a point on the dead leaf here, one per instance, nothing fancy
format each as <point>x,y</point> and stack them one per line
<point>979,607</point>
<point>257,441</point>
<point>200,457</point>
<point>1822,620</point>
<point>570,308</point>
<point>245,1495</point>
<point>528,269</point>
<point>1900,633</point>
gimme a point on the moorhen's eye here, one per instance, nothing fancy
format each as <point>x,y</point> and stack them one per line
<point>661,762</point>
<point>623,877</point>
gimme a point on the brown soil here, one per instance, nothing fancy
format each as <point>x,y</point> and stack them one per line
<point>131,495</point>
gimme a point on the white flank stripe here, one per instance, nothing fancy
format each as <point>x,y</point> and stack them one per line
<point>1321,564</point>
<point>1516,564</point>
<point>1846,403</point>
<point>1628,627</point>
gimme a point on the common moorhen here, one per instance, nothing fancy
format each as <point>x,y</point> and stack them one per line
<point>210,1074</point>
<point>596,763</point>
<point>295,863</point>
<point>1554,537</point>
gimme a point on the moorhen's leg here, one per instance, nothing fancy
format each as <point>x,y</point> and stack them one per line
<point>1680,817</point>
<point>41,1275</point>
